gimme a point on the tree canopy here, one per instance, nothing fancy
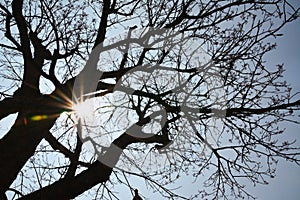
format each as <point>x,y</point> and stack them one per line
<point>157,90</point>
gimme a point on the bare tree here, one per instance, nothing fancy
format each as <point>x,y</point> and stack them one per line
<point>217,118</point>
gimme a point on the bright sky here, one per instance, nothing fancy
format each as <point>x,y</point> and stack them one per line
<point>286,185</point>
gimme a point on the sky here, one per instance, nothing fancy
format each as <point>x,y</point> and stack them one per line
<point>286,184</point>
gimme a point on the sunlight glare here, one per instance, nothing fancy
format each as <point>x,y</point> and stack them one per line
<point>83,109</point>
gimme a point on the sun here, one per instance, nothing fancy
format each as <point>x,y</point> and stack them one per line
<point>83,109</point>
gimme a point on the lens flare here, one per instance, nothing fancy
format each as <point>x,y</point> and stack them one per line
<point>38,117</point>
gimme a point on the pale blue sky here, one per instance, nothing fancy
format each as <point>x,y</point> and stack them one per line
<point>286,184</point>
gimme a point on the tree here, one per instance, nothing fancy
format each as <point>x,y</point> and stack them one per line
<point>218,118</point>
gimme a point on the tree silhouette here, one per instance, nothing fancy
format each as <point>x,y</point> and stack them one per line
<point>185,81</point>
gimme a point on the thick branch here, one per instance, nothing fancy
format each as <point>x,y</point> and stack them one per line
<point>257,111</point>
<point>103,24</point>
<point>19,144</point>
<point>8,106</point>
<point>97,173</point>
<point>22,27</point>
